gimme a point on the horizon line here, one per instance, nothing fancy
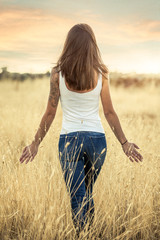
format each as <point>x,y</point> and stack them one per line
<point>111,71</point>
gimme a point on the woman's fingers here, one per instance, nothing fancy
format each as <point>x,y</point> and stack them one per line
<point>135,158</point>
<point>29,156</point>
<point>33,157</point>
<point>27,160</point>
<point>132,153</point>
<point>135,146</point>
<point>29,152</point>
<point>24,158</point>
<point>138,155</point>
<point>25,151</point>
<point>24,155</point>
<point>131,159</point>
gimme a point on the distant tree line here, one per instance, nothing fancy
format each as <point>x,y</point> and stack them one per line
<point>116,78</point>
<point>5,74</point>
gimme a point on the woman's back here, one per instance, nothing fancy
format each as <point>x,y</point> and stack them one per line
<point>80,109</point>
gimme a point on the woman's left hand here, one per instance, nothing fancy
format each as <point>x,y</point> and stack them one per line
<point>29,152</point>
<point>131,152</point>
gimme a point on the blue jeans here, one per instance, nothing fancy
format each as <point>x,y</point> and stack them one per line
<point>81,155</point>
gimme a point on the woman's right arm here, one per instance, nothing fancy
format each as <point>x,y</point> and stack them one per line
<point>29,152</point>
<point>113,120</point>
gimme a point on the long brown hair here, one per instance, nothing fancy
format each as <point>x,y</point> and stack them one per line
<point>80,58</point>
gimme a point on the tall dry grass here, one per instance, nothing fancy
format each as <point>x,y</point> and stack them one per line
<point>34,203</point>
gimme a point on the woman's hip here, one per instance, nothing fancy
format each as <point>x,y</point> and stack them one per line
<point>73,145</point>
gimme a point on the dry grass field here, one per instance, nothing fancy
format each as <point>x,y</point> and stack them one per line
<point>34,203</point>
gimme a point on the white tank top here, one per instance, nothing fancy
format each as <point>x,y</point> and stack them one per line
<point>80,110</point>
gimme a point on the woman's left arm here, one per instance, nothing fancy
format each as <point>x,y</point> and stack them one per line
<point>113,120</point>
<point>30,151</point>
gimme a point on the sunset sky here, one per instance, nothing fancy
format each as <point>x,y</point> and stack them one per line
<point>32,32</point>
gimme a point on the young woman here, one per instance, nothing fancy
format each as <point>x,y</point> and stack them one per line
<point>79,80</point>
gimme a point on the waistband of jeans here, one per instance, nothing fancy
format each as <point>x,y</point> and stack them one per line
<point>87,133</point>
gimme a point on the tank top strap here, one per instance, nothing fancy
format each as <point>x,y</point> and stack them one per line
<point>61,82</point>
<point>100,80</point>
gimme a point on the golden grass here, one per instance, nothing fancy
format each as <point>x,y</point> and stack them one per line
<point>34,203</point>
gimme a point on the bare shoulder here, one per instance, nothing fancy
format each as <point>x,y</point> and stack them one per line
<point>105,96</point>
<point>105,79</point>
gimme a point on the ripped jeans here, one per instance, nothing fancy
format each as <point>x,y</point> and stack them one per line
<point>81,156</point>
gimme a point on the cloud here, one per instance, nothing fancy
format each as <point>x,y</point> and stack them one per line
<point>123,33</point>
<point>145,30</point>
<point>31,37</point>
<point>21,28</point>
<point>24,28</point>
<point>36,36</point>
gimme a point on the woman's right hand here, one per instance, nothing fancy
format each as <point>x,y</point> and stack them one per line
<point>29,152</point>
<point>131,152</point>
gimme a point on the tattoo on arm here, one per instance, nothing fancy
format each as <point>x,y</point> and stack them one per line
<point>54,89</point>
